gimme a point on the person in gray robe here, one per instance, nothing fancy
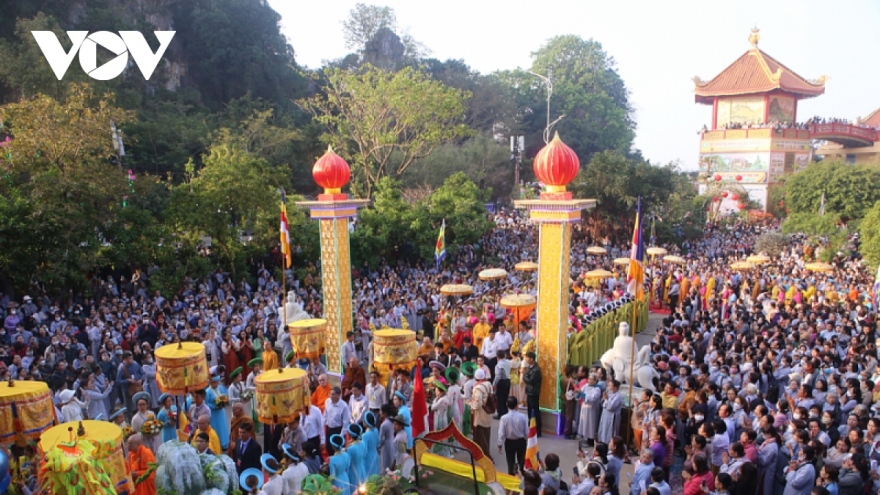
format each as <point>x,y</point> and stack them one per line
<point>767,455</point>
<point>590,408</point>
<point>609,423</point>
<point>386,438</point>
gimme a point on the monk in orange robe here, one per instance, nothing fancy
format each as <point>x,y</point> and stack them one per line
<point>321,393</point>
<point>139,459</point>
<point>270,357</point>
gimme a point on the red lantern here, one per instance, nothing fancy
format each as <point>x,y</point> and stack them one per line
<point>715,199</point>
<point>741,206</point>
<point>717,177</point>
<point>556,165</point>
<point>724,194</point>
<point>735,197</point>
<point>331,172</point>
<point>739,178</point>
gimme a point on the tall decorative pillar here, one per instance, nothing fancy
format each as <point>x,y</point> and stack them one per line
<point>556,165</point>
<point>333,210</point>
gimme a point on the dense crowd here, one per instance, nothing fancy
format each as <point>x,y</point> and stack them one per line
<point>766,377</point>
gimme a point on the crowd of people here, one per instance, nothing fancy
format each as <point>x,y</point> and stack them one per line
<point>779,125</point>
<point>766,377</point>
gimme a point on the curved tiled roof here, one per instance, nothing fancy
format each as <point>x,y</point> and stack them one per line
<point>755,72</point>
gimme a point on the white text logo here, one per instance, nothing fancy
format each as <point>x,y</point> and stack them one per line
<point>86,44</point>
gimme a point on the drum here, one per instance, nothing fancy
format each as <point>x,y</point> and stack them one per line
<point>26,411</point>
<point>181,368</point>
<point>307,337</point>
<point>102,440</point>
<point>281,395</point>
<point>394,349</point>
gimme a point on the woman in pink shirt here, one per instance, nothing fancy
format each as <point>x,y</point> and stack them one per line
<point>747,439</point>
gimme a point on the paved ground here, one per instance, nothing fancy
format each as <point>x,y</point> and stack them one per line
<point>564,448</point>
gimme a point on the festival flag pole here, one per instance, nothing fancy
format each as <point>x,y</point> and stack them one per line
<point>440,248</point>
<point>635,286</point>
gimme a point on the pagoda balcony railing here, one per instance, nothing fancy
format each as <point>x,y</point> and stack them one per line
<point>762,133</point>
<point>830,131</point>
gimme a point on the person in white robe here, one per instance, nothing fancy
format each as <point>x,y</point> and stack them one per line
<point>590,408</point>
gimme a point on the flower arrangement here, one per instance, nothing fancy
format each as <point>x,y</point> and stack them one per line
<point>222,401</point>
<point>152,427</point>
<point>247,394</point>
<point>126,432</point>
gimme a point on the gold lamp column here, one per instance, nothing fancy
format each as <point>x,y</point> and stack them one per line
<point>333,210</point>
<point>556,165</point>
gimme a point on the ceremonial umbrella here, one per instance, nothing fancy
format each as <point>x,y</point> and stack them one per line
<point>621,261</point>
<point>526,266</point>
<point>493,274</point>
<point>656,251</point>
<point>598,274</point>
<point>520,305</point>
<point>758,259</point>
<point>678,260</point>
<point>596,250</point>
<point>452,290</point>
<point>742,266</point>
<point>819,266</point>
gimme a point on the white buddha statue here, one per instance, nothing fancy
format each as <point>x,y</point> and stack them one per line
<point>294,310</point>
<point>619,360</point>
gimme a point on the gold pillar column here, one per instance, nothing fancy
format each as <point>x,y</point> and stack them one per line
<point>333,216</point>
<point>554,218</point>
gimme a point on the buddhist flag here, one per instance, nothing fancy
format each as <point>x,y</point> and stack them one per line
<point>419,406</point>
<point>876,292</point>
<point>636,274</point>
<point>440,248</point>
<point>285,234</point>
<point>532,447</point>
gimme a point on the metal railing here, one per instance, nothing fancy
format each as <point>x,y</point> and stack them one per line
<point>455,447</point>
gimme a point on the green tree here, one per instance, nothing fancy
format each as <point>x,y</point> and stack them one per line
<point>364,21</point>
<point>60,184</point>
<point>850,190</point>
<point>382,122</point>
<point>869,231</point>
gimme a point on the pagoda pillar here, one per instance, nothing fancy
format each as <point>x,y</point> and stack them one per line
<point>554,213</point>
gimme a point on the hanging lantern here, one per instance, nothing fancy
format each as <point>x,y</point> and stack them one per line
<point>735,197</point>
<point>715,199</point>
<point>739,178</point>
<point>724,194</point>
<point>741,206</point>
<point>717,177</point>
<point>556,165</point>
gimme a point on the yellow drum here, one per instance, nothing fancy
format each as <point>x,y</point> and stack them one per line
<point>26,411</point>
<point>394,349</point>
<point>181,368</point>
<point>307,337</point>
<point>281,394</point>
<point>105,441</point>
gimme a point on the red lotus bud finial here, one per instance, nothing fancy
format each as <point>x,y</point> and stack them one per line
<point>331,172</point>
<point>556,165</point>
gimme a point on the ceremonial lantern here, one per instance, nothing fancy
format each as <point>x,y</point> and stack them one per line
<point>556,165</point>
<point>181,368</point>
<point>717,177</point>
<point>307,337</point>
<point>739,178</point>
<point>394,349</point>
<point>331,172</point>
<point>724,194</point>
<point>26,410</point>
<point>281,395</point>
<point>71,448</point>
<point>526,266</point>
<point>735,197</point>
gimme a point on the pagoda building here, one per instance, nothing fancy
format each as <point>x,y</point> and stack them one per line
<point>754,138</point>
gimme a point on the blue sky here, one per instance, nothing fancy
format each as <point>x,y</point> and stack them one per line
<point>658,46</point>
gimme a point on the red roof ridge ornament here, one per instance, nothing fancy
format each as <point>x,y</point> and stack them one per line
<point>331,172</point>
<point>556,165</point>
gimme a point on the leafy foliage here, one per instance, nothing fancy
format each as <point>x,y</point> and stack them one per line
<point>382,122</point>
<point>772,243</point>
<point>869,231</point>
<point>850,190</point>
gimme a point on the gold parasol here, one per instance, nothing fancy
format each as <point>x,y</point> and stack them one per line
<point>596,250</point>
<point>520,305</point>
<point>307,337</point>
<point>493,274</point>
<point>677,260</point>
<point>281,395</point>
<point>758,259</point>
<point>598,274</point>
<point>456,290</point>
<point>393,349</point>
<point>181,368</point>
<point>742,266</point>
<point>26,410</point>
<point>819,266</point>
<point>621,261</point>
<point>526,266</point>
<point>656,251</point>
